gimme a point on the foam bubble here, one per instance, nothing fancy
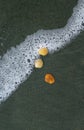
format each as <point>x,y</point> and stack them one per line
<point>17,64</point>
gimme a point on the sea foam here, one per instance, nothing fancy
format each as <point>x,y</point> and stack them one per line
<point>17,64</point>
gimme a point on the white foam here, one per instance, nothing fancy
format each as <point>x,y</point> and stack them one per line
<point>17,64</point>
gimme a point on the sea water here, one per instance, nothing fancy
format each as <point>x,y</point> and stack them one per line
<point>17,64</point>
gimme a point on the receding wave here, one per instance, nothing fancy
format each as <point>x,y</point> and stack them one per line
<point>17,64</point>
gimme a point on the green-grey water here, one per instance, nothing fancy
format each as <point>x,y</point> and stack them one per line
<point>37,105</point>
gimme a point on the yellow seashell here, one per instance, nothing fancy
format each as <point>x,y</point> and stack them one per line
<point>43,51</point>
<point>38,63</point>
<point>49,78</point>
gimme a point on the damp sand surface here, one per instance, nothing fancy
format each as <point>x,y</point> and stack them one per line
<point>41,106</point>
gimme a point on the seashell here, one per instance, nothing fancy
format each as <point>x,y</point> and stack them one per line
<point>38,63</point>
<point>49,78</point>
<point>43,51</point>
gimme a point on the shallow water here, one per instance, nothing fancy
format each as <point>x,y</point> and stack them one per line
<point>37,105</point>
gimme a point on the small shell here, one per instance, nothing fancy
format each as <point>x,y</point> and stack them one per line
<point>43,51</point>
<point>49,78</point>
<point>38,63</point>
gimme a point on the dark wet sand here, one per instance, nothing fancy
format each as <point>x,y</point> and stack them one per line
<point>37,105</point>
